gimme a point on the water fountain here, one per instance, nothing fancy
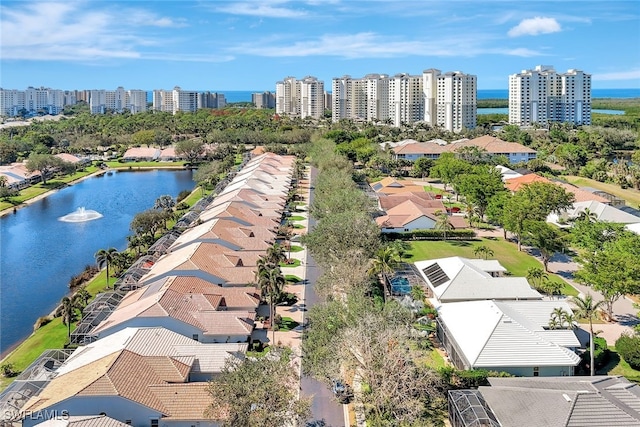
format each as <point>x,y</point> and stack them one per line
<point>81,215</point>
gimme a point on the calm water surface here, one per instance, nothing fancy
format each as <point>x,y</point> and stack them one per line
<point>39,253</point>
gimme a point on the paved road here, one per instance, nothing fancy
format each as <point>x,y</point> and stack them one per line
<point>624,312</point>
<point>326,412</point>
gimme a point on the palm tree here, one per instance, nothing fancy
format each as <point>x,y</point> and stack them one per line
<point>105,258</point>
<point>471,213</point>
<point>552,287</point>
<point>67,310</point>
<point>587,215</point>
<point>82,297</point>
<point>271,283</point>
<point>276,254</point>
<point>442,223</point>
<point>3,181</point>
<point>587,308</point>
<point>286,231</point>
<point>483,250</point>
<point>536,277</point>
<point>385,261</point>
<point>558,318</point>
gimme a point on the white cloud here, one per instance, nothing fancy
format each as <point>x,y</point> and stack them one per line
<point>265,9</point>
<point>521,51</point>
<point>535,26</point>
<point>620,75</point>
<point>373,45</point>
<point>82,32</point>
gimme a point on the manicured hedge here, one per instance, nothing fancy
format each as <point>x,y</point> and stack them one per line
<point>430,235</point>
<point>628,347</point>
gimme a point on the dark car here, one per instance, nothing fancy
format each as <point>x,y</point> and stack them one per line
<point>341,391</point>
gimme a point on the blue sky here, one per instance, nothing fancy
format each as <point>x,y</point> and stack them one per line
<point>250,45</point>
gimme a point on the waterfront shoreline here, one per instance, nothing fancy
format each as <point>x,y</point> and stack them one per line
<point>46,194</point>
<point>14,348</point>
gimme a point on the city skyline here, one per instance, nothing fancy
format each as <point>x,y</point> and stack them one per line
<point>250,45</point>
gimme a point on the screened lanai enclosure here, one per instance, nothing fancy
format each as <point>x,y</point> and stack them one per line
<point>467,408</point>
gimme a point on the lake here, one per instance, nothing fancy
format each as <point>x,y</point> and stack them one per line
<point>39,254</point>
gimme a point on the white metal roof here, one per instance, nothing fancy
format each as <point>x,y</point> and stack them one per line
<point>469,280</point>
<point>500,333</point>
<point>154,342</point>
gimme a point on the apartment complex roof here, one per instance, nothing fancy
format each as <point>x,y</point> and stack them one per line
<point>494,334</point>
<point>463,279</point>
<point>490,144</point>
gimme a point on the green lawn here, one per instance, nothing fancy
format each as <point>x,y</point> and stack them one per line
<point>617,366</point>
<point>298,226</point>
<point>435,190</point>
<point>292,278</point>
<point>39,188</point>
<point>507,253</point>
<point>52,335</point>
<point>295,248</point>
<point>288,324</point>
<point>630,195</point>
<point>296,218</point>
<point>294,263</point>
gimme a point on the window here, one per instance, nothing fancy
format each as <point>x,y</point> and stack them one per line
<point>128,422</point>
<point>536,371</point>
<point>154,423</point>
<point>195,337</point>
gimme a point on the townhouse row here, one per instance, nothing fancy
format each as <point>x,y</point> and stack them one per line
<point>148,348</point>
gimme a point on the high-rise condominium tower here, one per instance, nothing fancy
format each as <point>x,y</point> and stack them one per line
<point>301,98</point>
<point>447,100</point>
<point>543,96</point>
<point>175,100</point>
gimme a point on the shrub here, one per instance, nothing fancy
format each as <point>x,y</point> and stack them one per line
<point>628,347</point>
<point>430,235</point>
<point>183,195</point>
<point>601,355</point>
<point>42,320</point>
<point>7,370</point>
<point>86,275</point>
<point>468,379</point>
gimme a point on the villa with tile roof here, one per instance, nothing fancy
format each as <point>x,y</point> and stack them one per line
<point>391,185</point>
<point>455,279</point>
<point>178,324</point>
<point>507,336</point>
<point>131,388</point>
<point>212,262</point>
<point>410,216</point>
<point>208,359</point>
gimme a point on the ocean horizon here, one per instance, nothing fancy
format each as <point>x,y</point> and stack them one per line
<point>245,95</point>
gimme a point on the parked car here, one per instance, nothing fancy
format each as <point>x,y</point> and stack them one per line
<point>341,391</point>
